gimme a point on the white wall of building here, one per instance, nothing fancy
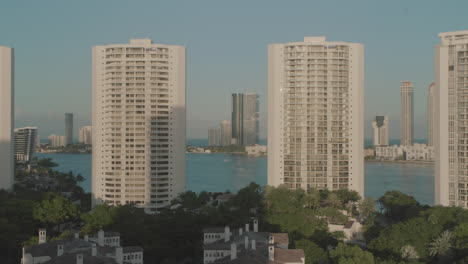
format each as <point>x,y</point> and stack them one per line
<point>127,80</point>
<point>6,117</point>
<point>285,77</point>
<point>450,121</point>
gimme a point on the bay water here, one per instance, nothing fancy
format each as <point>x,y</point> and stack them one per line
<point>219,172</point>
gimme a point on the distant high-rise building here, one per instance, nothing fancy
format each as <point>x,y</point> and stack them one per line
<point>430,115</point>
<point>25,143</point>
<point>68,128</point>
<point>245,119</point>
<point>7,161</point>
<point>226,133</point>
<point>315,115</point>
<point>380,129</point>
<point>139,120</point>
<point>214,136</point>
<point>451,119</point>
<point>407,113</point>
<point>57,141</point>
<point>85,135</point>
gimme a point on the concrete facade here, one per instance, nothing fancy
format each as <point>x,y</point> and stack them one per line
<point>68,128</point>
<point>139,124</point>
<point>85,135</point>
<point>430,115</point>
<point>407,113</point>
<point>380,131</point>
<point>7,160</point>
<point>25,143</point>
<point>451,119</point>
<point>245,119</point>
<point>315,121</point>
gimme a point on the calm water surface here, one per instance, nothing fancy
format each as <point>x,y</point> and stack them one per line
<point>220,172</point>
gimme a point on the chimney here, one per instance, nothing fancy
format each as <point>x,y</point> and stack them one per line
<point>246,242</point>
<point>240,231</point>
<point>246,227</point>
<point>254,244</point>
<point>77,235</point>
<point>100,238</point>
<point>233,251</point>
<point>271,252</point>
<point>227,234</point>
<point>79,258</point>
<point>255,225</point>
<point>86,238</point>
<point>93,250</point>
<point>119,255</point>
<point>59,250</point>
<point>42,235</point>
<point>271,240</point>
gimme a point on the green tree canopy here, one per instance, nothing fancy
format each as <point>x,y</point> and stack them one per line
<point>313,253</point>
<point>344,254</point>
<point>55,209</point>
<point>399,206</point>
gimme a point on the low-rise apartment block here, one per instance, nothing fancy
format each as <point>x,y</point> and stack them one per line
<point>104,248</point>
<point>243,245</point>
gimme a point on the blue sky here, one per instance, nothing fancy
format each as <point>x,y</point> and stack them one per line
<point>226,50</point>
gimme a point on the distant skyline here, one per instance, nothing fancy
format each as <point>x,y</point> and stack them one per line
<point>226,51</point>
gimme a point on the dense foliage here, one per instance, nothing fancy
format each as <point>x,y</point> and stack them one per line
<point>401,231</point>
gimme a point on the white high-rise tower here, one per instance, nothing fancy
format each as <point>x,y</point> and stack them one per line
<point>407,113</point>
<point>315,121</point>
<point>7,160</point>
<point>451,119</point>
<point>139,120</point>
<point>430,115</point>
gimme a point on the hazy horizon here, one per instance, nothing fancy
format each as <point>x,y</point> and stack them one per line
<point>226,51</point>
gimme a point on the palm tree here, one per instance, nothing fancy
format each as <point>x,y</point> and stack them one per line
<point>409,252</point>
<point>441,245</point>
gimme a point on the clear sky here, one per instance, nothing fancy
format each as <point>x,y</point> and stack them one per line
<point>226,50</point>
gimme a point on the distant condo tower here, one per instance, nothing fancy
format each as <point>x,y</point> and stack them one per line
<point>85,135</point>
<point>315,121</point>
<point>407,113</point>
<point>380,127</point>
<point>430,115</point>
<point>138,125</point>
<point>451,119</point>
<point>25,143</point>
<point>244,122</point>
<point>7,160</point>
<point>68,128</point>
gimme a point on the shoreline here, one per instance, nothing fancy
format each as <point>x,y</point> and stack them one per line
<point>402,161</point>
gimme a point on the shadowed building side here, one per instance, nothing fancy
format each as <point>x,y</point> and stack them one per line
<point>7,162</point>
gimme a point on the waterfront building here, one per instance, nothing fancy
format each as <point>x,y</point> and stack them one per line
<point>419,152</point>
<point>226,133</point>
<point>139,120</point>
<point>25,143</point>
<point>256,150</point>
<point>369,153</point>
<point>315,115</point>
<point>246,245</point>
<point>430,115</point>
<point>407,113</point>
<point>380,129</point>
<point>214,136</point>
<point>451,119</point>
<point>68,128</point>
<point>103,248</point>
<point>7,161</point>
<point>85,135</point>
<point>245,119</point>
<point>389,153</point>
<point>57,141</point>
